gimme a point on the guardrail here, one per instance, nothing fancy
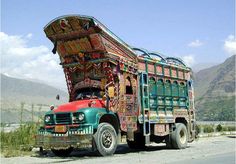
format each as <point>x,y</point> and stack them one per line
<point>215,128</point>
<point>229,123</point>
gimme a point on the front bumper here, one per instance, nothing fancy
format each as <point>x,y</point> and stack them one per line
<point>80,138</point>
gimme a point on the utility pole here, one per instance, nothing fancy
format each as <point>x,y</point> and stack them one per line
<point>21,111</point>
<point>32,113</point>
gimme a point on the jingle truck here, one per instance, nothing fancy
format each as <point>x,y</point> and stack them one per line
<point>117,93</point>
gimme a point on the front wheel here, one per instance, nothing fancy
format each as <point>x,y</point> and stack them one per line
<point>105,139</point>
<point>179,137</point>
<point>62,152</point>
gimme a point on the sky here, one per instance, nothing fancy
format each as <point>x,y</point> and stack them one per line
<point>197,31</point>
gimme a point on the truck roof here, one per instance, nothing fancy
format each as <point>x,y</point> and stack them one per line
<point>69,27</point>
<point>54,35</point>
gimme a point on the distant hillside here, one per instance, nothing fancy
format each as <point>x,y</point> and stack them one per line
<point>35,97</point>
<point>215,92</point>
<point>201,66</point>
<point>21,90</point>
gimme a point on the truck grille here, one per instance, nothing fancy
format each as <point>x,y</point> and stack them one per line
<point>63,118</point>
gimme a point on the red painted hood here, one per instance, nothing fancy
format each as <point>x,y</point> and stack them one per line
<point>76,105</point>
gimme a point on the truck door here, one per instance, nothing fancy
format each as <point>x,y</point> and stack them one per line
<point>129,96</point>
<point>129,103</point>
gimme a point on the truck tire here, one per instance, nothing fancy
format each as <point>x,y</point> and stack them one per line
<point>168,142</point>
<point>105,139</point>
<point>62,152</point>
<point>138,143</point>
<point>179,136</point>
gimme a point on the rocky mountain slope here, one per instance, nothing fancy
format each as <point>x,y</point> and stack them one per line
<point>33,97</point>
<point>215,92</point>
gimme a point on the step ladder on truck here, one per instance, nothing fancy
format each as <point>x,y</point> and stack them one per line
<point>145,106</point>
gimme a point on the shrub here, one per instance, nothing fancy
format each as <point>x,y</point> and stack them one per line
<point>20,139</point>
<point>231,128</point>
<point>198,129</point>
<point>219,128</point>
<point>208,128</point>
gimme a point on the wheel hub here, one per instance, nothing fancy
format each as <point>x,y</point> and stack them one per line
<point>182,136</point>
<point>106,139</point>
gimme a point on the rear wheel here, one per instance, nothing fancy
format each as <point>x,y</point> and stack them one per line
<point>168,142</point>
<point>105,139</point>
<point>62,152</point>
<point>179,137</point>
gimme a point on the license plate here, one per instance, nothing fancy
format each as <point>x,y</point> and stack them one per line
<point>60,129</point>
<point>159,128</point>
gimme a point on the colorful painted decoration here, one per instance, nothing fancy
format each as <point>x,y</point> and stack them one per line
<point>111,91</point>
<point>86,25</point>
<point>92,56</point>
<point>75,24</point>
<point>87,83</point>
<point>81,55</point>
<point>96,42</point>
<point>96,55</point>
<point>65,25</point>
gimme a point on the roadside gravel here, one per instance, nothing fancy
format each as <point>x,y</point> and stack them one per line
<point>157,153</point>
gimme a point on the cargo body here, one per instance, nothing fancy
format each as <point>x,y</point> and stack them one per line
<point>115,91</point>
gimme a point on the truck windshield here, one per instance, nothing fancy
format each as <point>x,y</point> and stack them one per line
<point>88,93</point>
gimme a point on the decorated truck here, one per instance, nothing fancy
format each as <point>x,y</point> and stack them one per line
<point>117,93</point>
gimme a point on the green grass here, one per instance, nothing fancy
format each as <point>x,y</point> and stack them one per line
<point>18,142</point>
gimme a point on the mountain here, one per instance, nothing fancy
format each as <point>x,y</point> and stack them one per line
<point>31,97</point>
<point>20,90</point>
<point>215,92</point>
<point>201,66</point>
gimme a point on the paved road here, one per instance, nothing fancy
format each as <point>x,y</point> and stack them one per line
<point>205,150</point>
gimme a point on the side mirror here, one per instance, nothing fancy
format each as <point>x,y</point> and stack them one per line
<point>58,97</point>
<point>111,92</point>
<point>52,107</point>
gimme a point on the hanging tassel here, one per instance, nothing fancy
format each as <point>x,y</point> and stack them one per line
<point>54,50</point>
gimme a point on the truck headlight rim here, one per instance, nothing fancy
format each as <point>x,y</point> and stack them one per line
<point>81,116</point>
<point>47,118</point>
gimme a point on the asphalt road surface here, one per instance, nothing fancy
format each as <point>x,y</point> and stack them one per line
<point>212,150</point>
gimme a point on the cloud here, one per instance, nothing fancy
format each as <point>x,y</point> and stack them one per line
<point>230,45</point>
<point>21,61</point>
<point>29,35</point>
<point>195,43</point>
<point>189,60</point>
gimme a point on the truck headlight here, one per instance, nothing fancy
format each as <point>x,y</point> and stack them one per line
<point>81,116</point>
<point>78,117</point>
<point>47,118</point>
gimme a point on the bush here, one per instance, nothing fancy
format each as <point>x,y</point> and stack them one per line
<point>208,129</point>
<point>198,129</point>
<point>231,128</point>
<point>21,139</point>
<point>219,128</point>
